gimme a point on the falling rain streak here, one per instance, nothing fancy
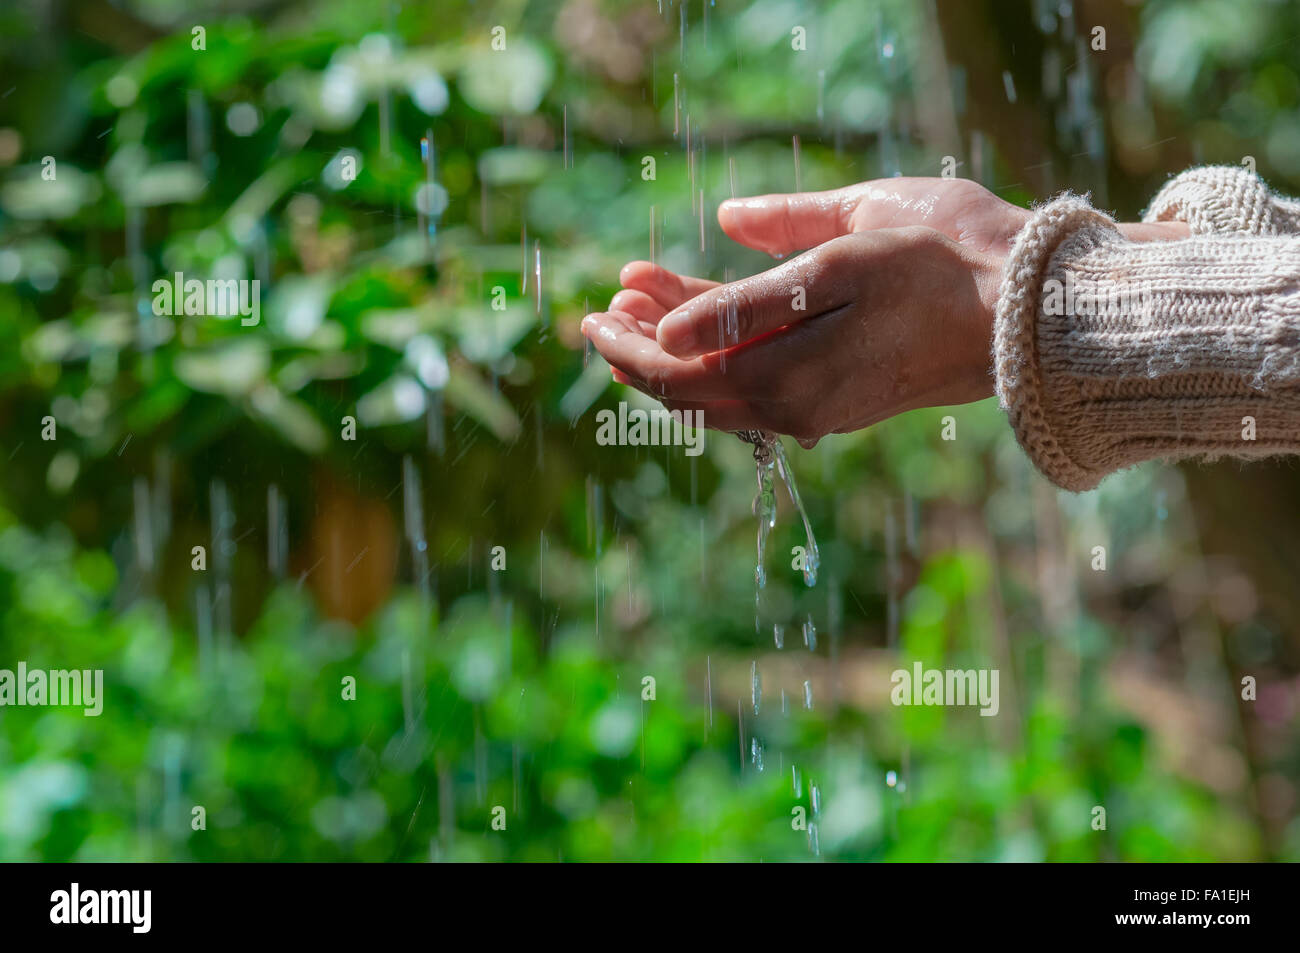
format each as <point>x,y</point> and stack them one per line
<point>427,206</point>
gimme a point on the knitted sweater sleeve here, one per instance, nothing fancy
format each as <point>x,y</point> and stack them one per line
<point>1224,199</point>
<point>1109,352</point>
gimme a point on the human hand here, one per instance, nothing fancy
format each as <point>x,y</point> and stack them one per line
<point>962,210</point>
<point>781,224</point>
<point>678,353</point>
<point>893,319</point>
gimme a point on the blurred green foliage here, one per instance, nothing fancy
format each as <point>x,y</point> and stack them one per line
<point>524,688</point>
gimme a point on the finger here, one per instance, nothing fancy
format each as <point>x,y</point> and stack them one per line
<point>630,323</point>
<point>732,314</point>
<point>782,224</point>
<point>666,287</point>
<point>640,305</point>
<point>650,369</point>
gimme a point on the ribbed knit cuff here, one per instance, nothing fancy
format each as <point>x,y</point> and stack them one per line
<point>1020,386</point>
<point>1224,199</point>
<point>1109,352</point>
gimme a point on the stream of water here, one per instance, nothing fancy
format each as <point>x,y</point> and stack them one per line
<point>770,461</point>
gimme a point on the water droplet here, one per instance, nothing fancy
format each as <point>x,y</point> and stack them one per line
<point>810,635</point>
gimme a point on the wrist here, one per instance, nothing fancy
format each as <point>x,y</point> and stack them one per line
<point>1154,231</point>
<point>988,272</point>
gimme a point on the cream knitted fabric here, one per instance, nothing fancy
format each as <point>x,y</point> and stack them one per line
<point>1224,198</point>
<point>1110,352</point>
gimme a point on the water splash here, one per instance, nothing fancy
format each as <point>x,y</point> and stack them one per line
<point>812,558</point>
<point>769,457</point>
<point>765,509</point>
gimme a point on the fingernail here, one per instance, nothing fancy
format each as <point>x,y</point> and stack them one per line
<point>676,333</point>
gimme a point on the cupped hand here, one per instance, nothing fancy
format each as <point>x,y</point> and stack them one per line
<point>892,319</point>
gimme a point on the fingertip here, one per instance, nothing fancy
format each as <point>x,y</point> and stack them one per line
<point>749,223</point>
<point>633,271</point>
<point>599,327</point>
<point>727,215</point>
<point>630,301</point>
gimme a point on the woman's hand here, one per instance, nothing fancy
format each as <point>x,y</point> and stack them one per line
<point>892,319</point>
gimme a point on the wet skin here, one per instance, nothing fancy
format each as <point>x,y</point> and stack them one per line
<point>899,291</point>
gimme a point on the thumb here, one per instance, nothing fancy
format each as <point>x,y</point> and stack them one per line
<point>781,224</point>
